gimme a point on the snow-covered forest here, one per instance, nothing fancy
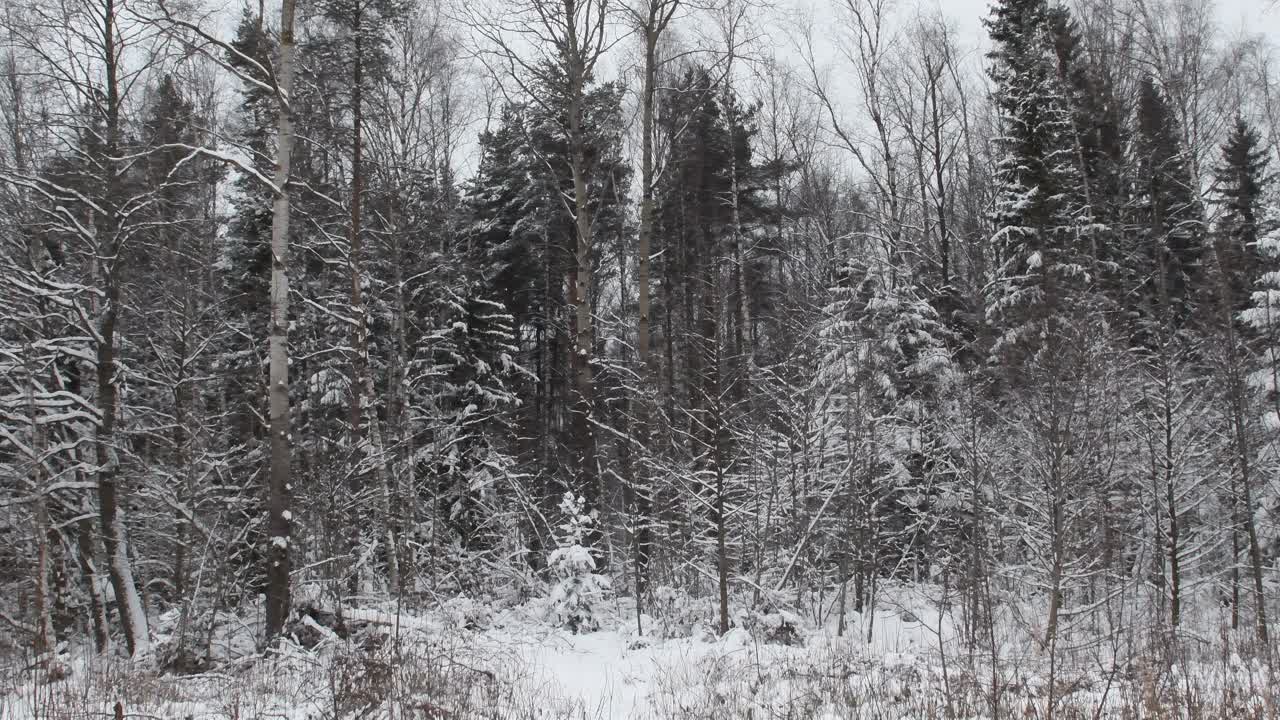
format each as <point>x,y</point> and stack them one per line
<point>638,358</point>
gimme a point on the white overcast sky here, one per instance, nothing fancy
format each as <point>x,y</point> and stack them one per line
<point>1251,15</point>
<point>1235,18</point>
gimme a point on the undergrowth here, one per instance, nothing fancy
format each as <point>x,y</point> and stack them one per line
<point>459,669</point>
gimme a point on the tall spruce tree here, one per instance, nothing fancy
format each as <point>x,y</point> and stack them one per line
<point>1050,333</point>
<point>1240,186</point>
<point>1167,217</point>
<point>1042,236</point>
<point>1100,136</point>
<point>496,204</point>
<point>245,280</point>
<point>521,243</point>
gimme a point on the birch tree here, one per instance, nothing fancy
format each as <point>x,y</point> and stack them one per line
<point>651,18</point>
<point>279,487</point>
<point>97,59</point>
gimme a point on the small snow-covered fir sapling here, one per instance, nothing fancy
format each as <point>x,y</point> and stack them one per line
<point>577,587</point>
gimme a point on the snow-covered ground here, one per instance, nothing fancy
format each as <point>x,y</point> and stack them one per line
<point>465,661</point>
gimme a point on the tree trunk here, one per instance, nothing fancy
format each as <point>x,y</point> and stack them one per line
<point>1235,555</point>
<point>93,582</point>
<point>1175,549</point>
<point>742,350</point>
<point>181,450</point>
<point>279,514</point>
<point>398,420</point>
<point>1243,456</point>
<point>107,264</point>
<point>580,282</point>
<point>716,438</point>
<point>640,480</point>
<point>1236,399</point>
<point>45,640</point>
<point>133,619</point>
<point>362,377</point>
<point>939,176</point>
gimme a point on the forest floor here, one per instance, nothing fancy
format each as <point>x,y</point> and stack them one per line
<point>466,661</point>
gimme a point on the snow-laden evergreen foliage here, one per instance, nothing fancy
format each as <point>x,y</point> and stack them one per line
<point>577,589</point>
<point>1012,354</point>
<point>1263,316</point>
<point>883,361</point>
<point>1044,235</point>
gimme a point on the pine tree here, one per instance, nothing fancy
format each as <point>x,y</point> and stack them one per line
<point>710,190</point>
<point>1053,341</point>
<point>1164,267</point>
<point>711,138</point>
<point>467,372</point>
